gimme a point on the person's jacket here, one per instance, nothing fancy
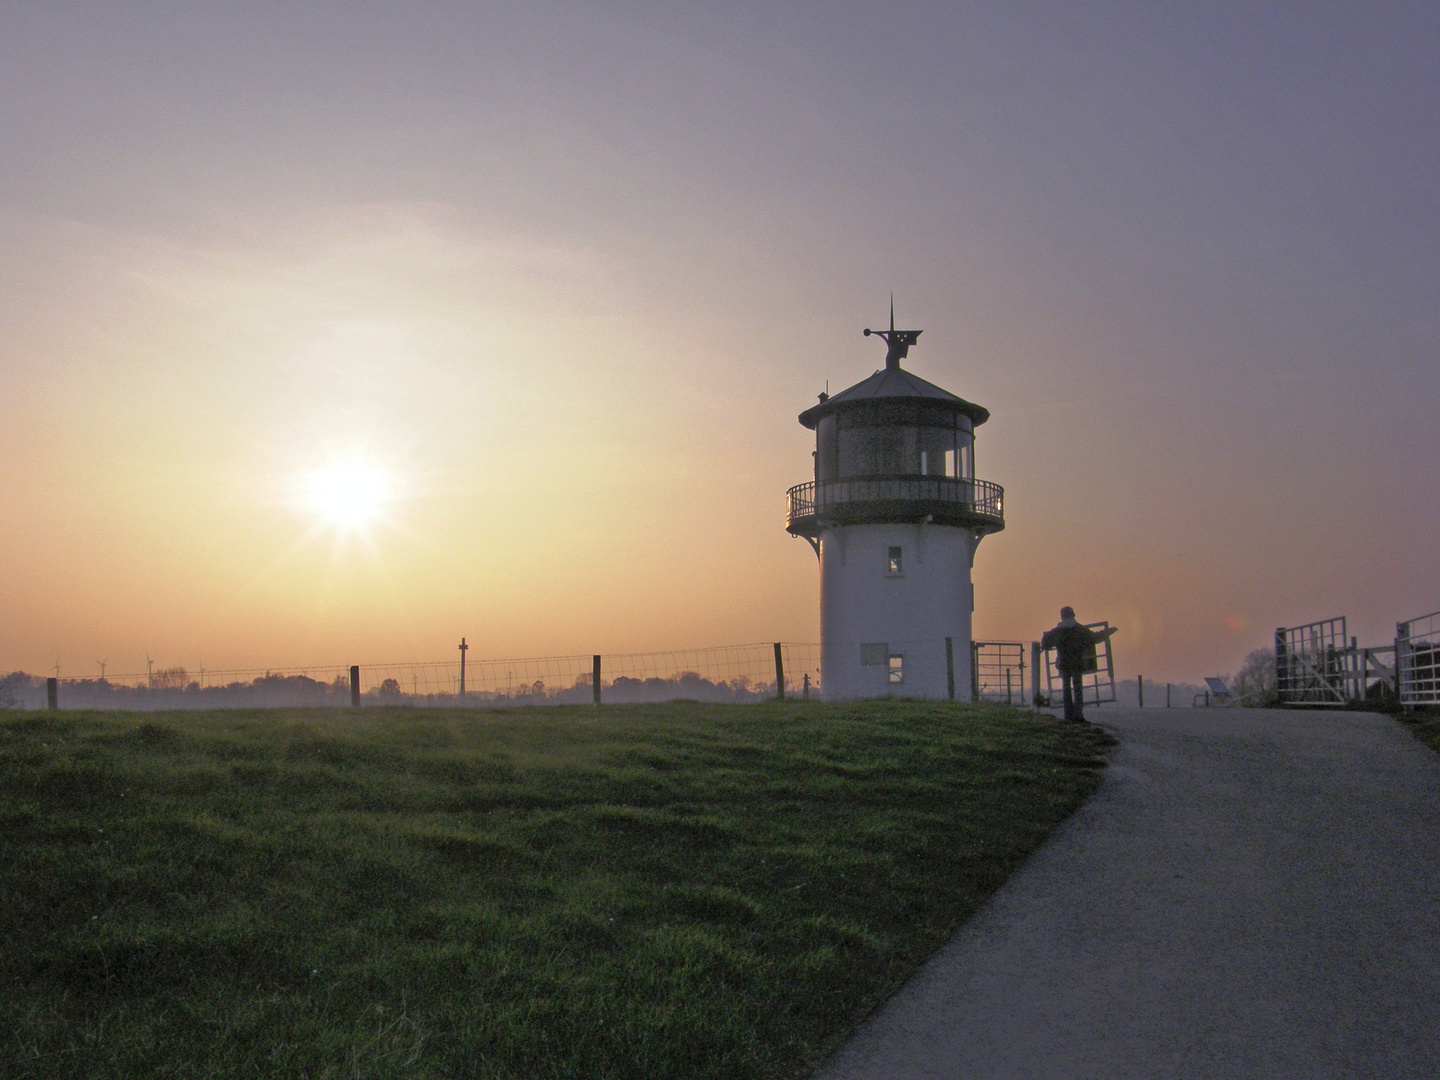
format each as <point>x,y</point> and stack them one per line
<point>1074,647</point>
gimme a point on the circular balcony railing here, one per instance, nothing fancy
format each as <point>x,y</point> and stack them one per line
<point>944,500</point>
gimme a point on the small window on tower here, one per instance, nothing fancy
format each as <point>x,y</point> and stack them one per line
<point>896,564</point>
<point>897,670</point>
<point>875,654</point>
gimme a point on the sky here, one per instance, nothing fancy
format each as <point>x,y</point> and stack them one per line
<point>333,333</point>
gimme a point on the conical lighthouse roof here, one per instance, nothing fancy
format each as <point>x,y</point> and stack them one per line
<point>894,383</point>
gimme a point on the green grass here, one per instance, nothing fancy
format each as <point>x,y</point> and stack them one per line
<point>676,890</point>
<point>1425,724</point>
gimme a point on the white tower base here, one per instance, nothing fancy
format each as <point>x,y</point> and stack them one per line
<point>883,625</point>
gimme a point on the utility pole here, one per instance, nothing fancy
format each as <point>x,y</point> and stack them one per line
<point>463,649</point>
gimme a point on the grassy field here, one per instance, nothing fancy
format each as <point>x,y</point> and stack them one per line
<point>676,890</point>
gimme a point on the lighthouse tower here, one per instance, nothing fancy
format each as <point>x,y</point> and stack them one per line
<point>895,515</point>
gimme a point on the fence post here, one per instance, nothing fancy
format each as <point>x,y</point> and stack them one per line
<point>52,693</point>
<point>1350,657</point>
<point>1009,693</point>
<point>354,686</point>
<point>974,671</point>
<point>1140,684</point>
<point>595,678</point>
<point>1035,674</point>
<point>1402,658</point>
<point>805,688</point>
<point>950,667</point>
<point>1282,674</point>
<point>1167,695</point>
<point>779,674</point>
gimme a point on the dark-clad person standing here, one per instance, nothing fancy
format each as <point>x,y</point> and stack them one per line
<point>1074,647</point>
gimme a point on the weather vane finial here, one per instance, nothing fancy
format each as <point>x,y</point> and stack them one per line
<point>898,340</point>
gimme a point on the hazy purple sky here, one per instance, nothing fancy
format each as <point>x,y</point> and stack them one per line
<point>565,275</point>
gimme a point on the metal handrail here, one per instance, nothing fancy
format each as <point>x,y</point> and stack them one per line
<point>979,497</point>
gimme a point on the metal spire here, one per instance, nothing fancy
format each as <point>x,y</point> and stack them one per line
<point>899,341</point>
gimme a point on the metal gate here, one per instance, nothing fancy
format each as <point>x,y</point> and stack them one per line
<point>1417,660</point>
<point>1098,686</point>
<point>1316,664</point>
<point>997,671</point>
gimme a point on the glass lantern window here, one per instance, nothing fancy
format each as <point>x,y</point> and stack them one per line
<point>892,439</point>
<point>827,460</point>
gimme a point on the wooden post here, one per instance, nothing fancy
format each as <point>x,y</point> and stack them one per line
<point>950,667</point>
<point>463,648</point>
<point>354,686</point>
<point>805,688</point>
<point>1009,696</point>
<point>974,671</point>
<point>1167,695</point>
<point>595,678</point>
<point>1355,655</point>
<point>1035,674</point>
<point>52,693</point>
<point>1282,672</point>
<point>779,674</point>
<point>1207,699</point>
<point>1402,644</point>
<point>1140,684</point>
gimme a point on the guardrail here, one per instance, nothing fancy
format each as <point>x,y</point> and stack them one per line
<point>954,500</point>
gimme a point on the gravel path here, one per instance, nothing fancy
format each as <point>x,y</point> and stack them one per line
<point>1249,894</point>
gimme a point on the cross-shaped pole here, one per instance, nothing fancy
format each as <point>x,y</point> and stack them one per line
<point>463,648</point>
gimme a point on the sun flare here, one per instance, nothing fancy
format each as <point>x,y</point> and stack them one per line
<point>348,495</point>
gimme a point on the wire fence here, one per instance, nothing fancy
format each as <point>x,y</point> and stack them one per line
<point>1315,665</point>
<point>728,673</point>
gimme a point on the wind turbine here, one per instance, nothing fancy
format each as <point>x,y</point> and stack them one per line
<point>149,671</point>
<point>102,664</point>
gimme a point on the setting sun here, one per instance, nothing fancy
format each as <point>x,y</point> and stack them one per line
<point>347,495</point>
